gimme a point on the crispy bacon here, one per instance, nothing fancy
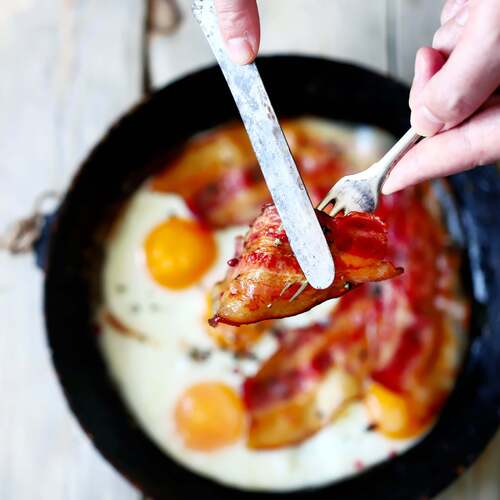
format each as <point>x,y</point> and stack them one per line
<point>397,334</point>
<point>411,350</point>
<point>393,333</point>
<point>314,373</point>
<point>234,198</point>
<point>238,339</point>
<point>267,276</point>
<point>219,177</point>
<point>205,159</point>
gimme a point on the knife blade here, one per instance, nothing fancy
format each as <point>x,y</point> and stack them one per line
<point>273,154</point>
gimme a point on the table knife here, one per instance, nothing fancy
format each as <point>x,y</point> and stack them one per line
<point>273,154</point>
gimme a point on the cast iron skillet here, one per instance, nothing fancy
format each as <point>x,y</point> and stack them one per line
<point>131,151</point>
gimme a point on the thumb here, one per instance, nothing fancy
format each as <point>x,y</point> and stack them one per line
<point>474,142</point>
<point>240,28</point>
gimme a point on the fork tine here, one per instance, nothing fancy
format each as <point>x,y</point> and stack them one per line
<point>338,207</point>
<point>302,287</point>
<point>326,201</point>
<point>329,198</point>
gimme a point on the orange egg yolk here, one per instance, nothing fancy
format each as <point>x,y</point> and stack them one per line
<point>392,413</point>
<point>209,415</point>
<point>179,252</point>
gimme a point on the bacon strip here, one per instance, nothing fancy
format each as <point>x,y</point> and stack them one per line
<point>234,198</point>
<point>397,334</point>
<point>314,373</point>
<point>218,175</point>
<point>393,333</point>
<point>267,276</point>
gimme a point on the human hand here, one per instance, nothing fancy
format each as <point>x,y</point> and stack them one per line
<point>452,97</point>
<point>240,28</point>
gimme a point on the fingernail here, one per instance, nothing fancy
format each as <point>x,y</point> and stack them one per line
<point>462,16</point>
<point>450,11</point>
<point>419,61</point>
<point>240,50</point>
<point>425,122</point>
<point>418,77</point>
<point>420,66</point>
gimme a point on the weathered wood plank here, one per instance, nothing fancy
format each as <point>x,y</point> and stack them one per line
<point>352,30</point>
<point>481,482</point>
<point>338,29</point>
<point>415,24</point>
<point>68,69</point>
<point>180,52</point>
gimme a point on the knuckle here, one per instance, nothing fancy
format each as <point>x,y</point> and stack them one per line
<point>233,22</point>
<point>445,37</point>
<point>449,106</point>
<point>488,19</point>
<point>233,17</point>
<point>225,6</point>
<point>474,151</point>
<point>435,38</point>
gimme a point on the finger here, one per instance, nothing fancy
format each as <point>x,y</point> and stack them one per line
<point>450,9</point>
<point>475,142</point>
<point>240,28</point>
<point>447,37</point>
<point>427,63</point>
<point>469,77</point>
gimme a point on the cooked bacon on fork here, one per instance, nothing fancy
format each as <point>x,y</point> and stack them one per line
<point>389,344</point>
<point>266,281</point>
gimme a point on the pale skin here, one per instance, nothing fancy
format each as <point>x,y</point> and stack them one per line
<point>454,97</point>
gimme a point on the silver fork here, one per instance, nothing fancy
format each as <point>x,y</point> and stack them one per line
<point>360,192</point>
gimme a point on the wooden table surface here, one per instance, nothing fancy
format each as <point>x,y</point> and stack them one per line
<point>68,68</point>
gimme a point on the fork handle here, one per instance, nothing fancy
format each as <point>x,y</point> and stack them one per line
<point>387,162</point>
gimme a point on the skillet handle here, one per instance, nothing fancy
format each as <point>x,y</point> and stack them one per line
<point>31,233</point>
<point>41,244</point>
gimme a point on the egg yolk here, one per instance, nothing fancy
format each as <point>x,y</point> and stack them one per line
<point>209,415</point>
<point>179,252</point>
<point>392,413</point>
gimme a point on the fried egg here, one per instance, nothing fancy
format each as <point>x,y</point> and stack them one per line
<point>183,390</point>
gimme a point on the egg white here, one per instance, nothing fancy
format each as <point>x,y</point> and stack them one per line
<point>151,375</point>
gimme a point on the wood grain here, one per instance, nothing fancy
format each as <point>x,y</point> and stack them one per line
<point>339,28</point>
<point>68,69</point>
<point>481,482</point>
<point>415,24</point>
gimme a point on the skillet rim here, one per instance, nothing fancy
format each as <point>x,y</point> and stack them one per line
<point>348,488</point>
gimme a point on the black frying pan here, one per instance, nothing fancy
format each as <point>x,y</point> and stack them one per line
<point>132,151</point>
